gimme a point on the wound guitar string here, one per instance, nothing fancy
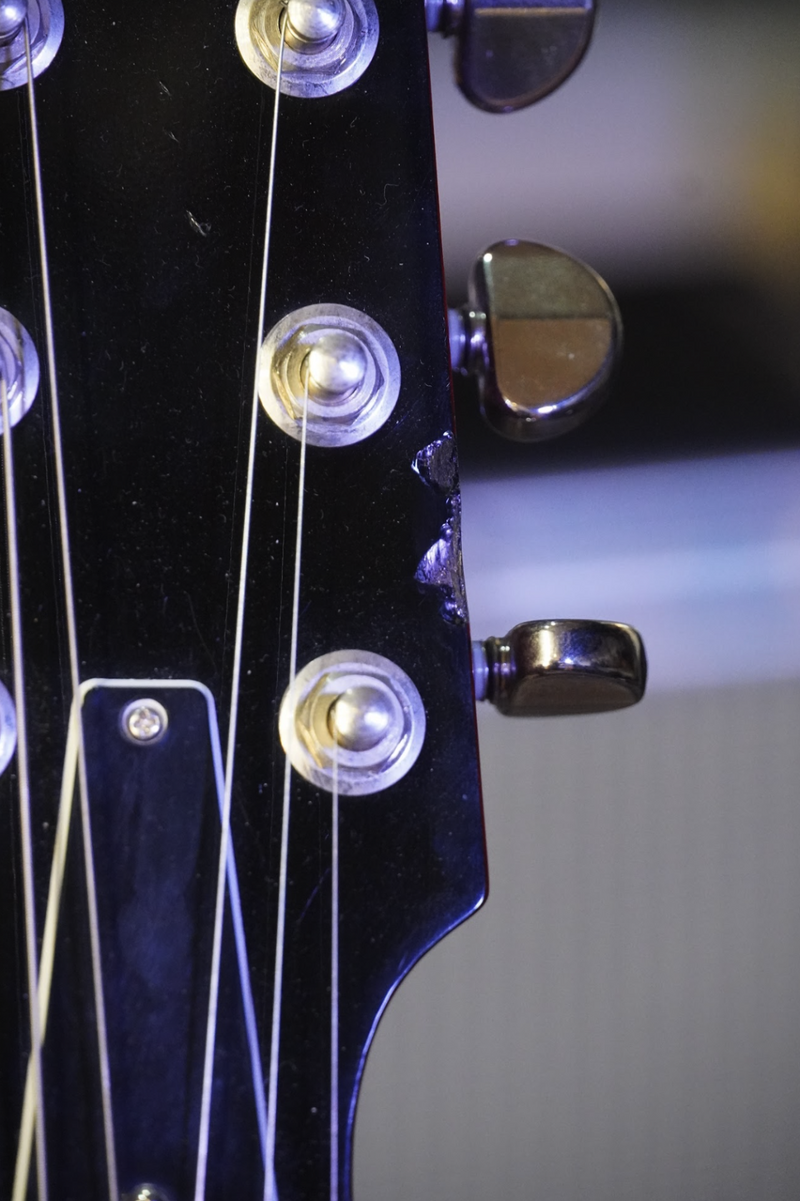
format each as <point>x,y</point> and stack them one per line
<point>211,1021</point>
<point>22,1169</point>
<point>280,934</point>
<point>23,787</point>
<point>40,981</point>
<point>334,1190</point>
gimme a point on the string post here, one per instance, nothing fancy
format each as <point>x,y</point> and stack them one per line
<point>12,15</point>
<point>360,718</point>
<point>8,728</point>
<point>312,24</point>
<point>329,44</point>
<point>353,722</point>
<point>19,367</point>
<point>38,24</point>
<point>346,363</point>
<point>337,365</point>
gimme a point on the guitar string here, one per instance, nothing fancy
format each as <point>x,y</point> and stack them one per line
<point>280,932</point>
<point>334,1189</point>
<point>72,643</point>
<point>57,870</point>
<point>69,776</point>
<point>211,1022</point>
<point>23,787</point>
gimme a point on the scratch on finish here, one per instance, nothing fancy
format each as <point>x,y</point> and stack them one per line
<point>200,227</point>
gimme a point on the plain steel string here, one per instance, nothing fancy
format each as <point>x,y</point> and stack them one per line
<point>23,781</point>
<point>68,782</point>
<point>72,640</point>
<point>213,999</point>
<point>280,933</point>
<point>334,1190</point>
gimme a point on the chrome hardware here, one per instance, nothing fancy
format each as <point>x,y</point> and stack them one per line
<point>312,24</point>
<point>511,53</point>
<point>8,728</point>
<point>144,721</point>
<point>329,43</point>
<point>146,1192</point>
<point>347,362</point>
<point>337,366</point>
<point>45,29</point>
<point>12,14</point>
<point>542,334</point>
<point>557,668</point>
<point>357,708</point>
<point>19,367</point>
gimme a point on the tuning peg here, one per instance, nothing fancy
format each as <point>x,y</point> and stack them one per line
<point>557,668</point>
<point>511,53</point>
<point>541,333</point>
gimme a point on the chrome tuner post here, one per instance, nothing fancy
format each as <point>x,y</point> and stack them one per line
<point>45,21</point>
<point>511,53</point>
<point>541,333</point>
<point>561,668</point>
<point>329,43</point>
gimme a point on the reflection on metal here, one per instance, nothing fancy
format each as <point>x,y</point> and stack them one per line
<point>557,668</point>
<point>441,566</point>
<point>45,28</point>
<point>349,365</point>
<point>19,366</point>
<point>146,1192</point>
<point>144,722</point>
<point>361,709</point>
<point>12,14</point>
<point>312,24</point>
<point>8,728</point>
<point>329,43</point>
<point>511,53</point>
<point>542,334</point>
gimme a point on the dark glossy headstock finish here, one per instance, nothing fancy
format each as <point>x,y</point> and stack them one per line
<point>154,142</point>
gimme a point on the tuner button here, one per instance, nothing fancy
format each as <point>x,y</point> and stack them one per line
<point>542,334</point>
<point>511,53</point>
<point>558,668</point>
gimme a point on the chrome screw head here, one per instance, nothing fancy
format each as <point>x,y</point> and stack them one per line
<point>146,1192</point>
<point>144,721</point>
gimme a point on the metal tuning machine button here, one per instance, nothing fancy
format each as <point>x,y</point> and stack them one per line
<point>511,53</point>
<point>559,668</point>
<point>542,334</point>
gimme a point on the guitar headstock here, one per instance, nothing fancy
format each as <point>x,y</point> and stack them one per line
<point>251,771</point>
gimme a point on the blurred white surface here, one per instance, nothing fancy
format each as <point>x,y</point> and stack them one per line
<point>702,556</point>
<point>669,151</point>
<point>619,1023</point>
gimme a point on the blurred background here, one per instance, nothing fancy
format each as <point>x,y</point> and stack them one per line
<point>620,1021</point>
